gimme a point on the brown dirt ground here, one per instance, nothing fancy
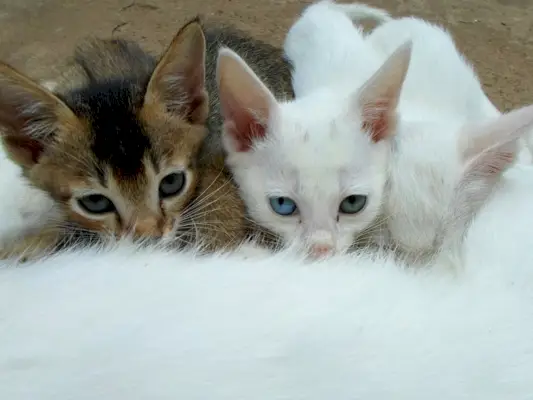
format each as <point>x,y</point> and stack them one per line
<point>496,35</point>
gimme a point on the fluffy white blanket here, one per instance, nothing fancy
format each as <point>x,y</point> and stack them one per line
<point>126,323</point>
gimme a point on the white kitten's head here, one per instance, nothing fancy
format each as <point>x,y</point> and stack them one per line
<point>312,171</point>
<point>444,171</point>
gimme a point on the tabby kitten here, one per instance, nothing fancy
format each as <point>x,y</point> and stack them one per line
<point>126,144</point>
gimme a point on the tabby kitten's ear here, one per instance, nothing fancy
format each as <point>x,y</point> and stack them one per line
<point>29,116</point>
<point>178,81</point>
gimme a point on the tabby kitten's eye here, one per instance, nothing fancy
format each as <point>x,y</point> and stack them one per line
<point>353,204</point>
<point>96,204</point>
<point>171,185</point>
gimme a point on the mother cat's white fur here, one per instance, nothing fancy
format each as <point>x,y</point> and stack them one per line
<point>142,324</point>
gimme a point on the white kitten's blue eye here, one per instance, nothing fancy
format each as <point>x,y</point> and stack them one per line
<point>282,205</point>
<point>352,204</point>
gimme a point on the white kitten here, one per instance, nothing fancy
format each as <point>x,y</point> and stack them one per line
<point>312,170</point>
<point>309,204</point>
<point>441,174</point>
<point>435,187</point>
<point>144,324</point>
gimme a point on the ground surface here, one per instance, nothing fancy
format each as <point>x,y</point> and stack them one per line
<point>497,35</point>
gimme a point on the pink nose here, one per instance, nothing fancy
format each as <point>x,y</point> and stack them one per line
<point>321,250</point>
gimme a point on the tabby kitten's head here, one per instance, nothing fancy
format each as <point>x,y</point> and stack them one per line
<point>118,153</point>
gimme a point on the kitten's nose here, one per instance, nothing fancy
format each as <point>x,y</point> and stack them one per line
<point>167,229</point>
<point>153,227</point>
<point>322,244</point>
<point>321,250</point>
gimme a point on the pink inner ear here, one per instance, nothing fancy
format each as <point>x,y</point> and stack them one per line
<point>244,131</point>
<point>241,124</point>
<point>376,120</point>
<point>500,163</point>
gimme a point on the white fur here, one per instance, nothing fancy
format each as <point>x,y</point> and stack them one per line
<point>439,78</point>
<point>325,46</point>
<point>441,104</point>
<point>21,205</point>
<point>145,324</point>
<point>453,77</point>
<point>430,175</point>
<point>286,165</point>
<point>315,150</point>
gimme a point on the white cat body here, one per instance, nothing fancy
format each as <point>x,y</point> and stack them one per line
<point>146,324</point>
<point>439,77</point>
<point>325,39</point>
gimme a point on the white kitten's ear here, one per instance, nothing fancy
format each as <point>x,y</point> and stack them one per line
<point>178,81</point>
<point>245,102</point>
<point>490,148</point>
<point>378,98</point>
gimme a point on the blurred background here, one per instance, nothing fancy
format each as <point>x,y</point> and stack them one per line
<point>495,35</point>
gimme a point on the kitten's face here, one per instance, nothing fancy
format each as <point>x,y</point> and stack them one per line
<point>117,155</point>
<point>313,170</point>
<point>139,183</point>
<point>314,181</point>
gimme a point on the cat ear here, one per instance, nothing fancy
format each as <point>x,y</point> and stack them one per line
<point>178,81</point>
<point>490,148</point>
<point>487,150</point>
<point>245,102</point>
<point>378,98</point>
<point>29,115</point>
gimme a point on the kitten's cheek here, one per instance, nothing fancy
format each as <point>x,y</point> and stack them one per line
<point>344,243</point>
<point>87,223</point>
